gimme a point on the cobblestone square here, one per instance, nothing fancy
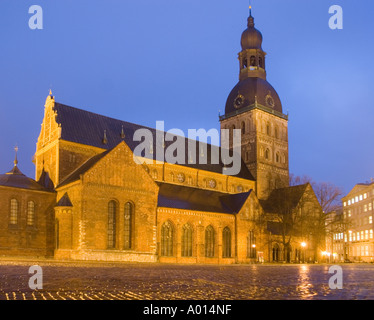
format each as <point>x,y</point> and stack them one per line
<point>116,281</point>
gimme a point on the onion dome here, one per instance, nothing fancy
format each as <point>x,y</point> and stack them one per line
<point>251,37</point>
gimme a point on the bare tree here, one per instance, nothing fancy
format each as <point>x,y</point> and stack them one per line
<point>293,215</point>
<point>329,197</point>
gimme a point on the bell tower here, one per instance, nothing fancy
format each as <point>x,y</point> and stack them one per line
<point>254,107</point>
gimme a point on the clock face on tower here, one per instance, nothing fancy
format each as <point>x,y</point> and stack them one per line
<point>238,102</point>
<point>269,101</point>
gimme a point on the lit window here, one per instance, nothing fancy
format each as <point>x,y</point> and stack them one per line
<point>345,204</point>
<point>167,239</point>
<point>360,198</point>
<point>362,235</point>
<point>13,219</point>
<point>187,241</point>
<point>349,213</point>
<point>370,219</point>
<point>349,202</point>
<point>366,234</point>
<point>365,208</point>
<point>129,210</point>
<point>209,242</point>
<point>226,241</point>
<point>30,213</point>
<point>365,195</point>
<point>112,210</point>
<point>353,201</point>
<point>358,236</point>
<point>370,206</point>
<point>356,199</point>
<point>371,233</point>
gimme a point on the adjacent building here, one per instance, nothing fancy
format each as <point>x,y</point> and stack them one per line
<point>357,223</point>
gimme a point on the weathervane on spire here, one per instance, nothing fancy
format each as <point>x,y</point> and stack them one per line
<point>15,159</point>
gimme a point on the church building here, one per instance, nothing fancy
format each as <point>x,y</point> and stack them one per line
<point>92,199</point>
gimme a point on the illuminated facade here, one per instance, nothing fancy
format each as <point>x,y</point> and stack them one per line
<point>358,222</point>
<point>108,207</point>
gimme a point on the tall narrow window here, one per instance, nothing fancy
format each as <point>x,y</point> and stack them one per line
<point>112,213</point>
<point>253,61</point>
<point>251,252</point>
<point>30,213</point>
<point>243,127</point>
<point>129,209</point>
<point>260,62</point>
<point>267,154</point>
<point>209,242</point>
<point>226,243</point>
<point>13,218</point>
<point>167,239</point>
<point>268,131</point>
<point>57,234</point>
<point>187,241</point>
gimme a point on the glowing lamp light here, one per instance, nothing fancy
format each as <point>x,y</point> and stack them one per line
<point>303,244</point>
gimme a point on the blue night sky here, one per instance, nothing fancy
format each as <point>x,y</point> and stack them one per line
<point>176,60</point>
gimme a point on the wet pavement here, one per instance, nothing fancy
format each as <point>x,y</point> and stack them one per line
<point>116,281</point>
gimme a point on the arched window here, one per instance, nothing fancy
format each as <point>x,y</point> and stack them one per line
<point>276,132</point>
<point>277,157</point>
<point>129,213</point>
<point>245,63</point>
<point>187,241</point>
<point>276,252</point>
<point>260,62</point>
<point>189,180</point>
<point>243,127</point>
<point>30,219</point>
<point>154,174</point>
<point>268,131</point>
<point>251,250</point>
<point>112,216</point>
<point>267,154</point>
<point>14,208</point>
<point>253,61</point>
<point>226,242</point>
<point>167,239</point>
<point>57,233</point>
<point>209,242</point>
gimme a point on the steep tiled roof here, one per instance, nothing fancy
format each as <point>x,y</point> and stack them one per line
<point>190,198</point>
<point>88,128</point>
<point>284,198</point>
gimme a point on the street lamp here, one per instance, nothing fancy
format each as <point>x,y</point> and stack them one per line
<point>303,245</point>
